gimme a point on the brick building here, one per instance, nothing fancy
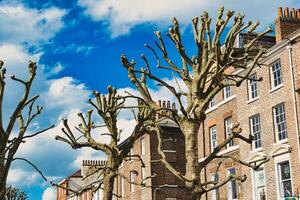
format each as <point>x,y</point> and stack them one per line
<point>78,185</point>
<point>164,186</point>
<point>269,110</point>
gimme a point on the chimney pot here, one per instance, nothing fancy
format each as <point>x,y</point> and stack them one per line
<point>164,104</point>
<point>159,103</point>
<point>298,14</point>
<point>173,105</point>
<point>293,13</point>
<point>286,12</point>
<point>280,12</point>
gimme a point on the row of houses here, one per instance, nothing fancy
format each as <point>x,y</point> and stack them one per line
<point>269,110</point>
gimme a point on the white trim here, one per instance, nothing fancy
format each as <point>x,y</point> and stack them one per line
<point>276,88</point>
<point>254,184</point>
<point>169,151</point>
<point>220,104</point>
<point>284,141</point>
<point>229,149</point>
<point>277,160</point>
<point>252,100</point>
<point>237,186</point>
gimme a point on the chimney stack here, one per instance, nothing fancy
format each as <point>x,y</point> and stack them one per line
<point>280,12</point>
<point>298,14</point>
<point>287,21</point>
<point>286,12</point>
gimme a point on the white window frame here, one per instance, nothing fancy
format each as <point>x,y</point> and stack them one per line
<point>278,160</point>
<point>227,92</point>
<point>279,123</point>
<point>252,87</point>
<point>143,148</point>
<point>215,194</point>
<point>229,189</point>
<point>255,129</point>
<point>143,174</point>
<point>122,187</point>
<point>133,175</point>
<point>254,183</point>
<point>131,152</point>
<point>212,103</point>
<point>213,137</point>
<point>228,130</point>
<point>272,71</point>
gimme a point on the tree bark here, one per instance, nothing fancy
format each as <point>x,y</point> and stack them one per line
<point>192,164</point>
<point>3,175</point>
<point>108,185</point>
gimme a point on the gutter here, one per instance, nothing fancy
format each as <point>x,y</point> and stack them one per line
<point>289,47</point>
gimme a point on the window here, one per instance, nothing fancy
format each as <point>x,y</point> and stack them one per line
<point>143,174</point>
<point>276,76</point>
<point>212,103</point>
<point>213,137</point>
<point>131,153</point>
<point>255,130</point>
<point>122,187</point>
<point>227,92</point>
<point>228,131</point>
<point>280,122</point>
<point>259,184</point>
<point>142,146</point>
<point>215,193</point>
<point>232,186</point>
<point>285,182</point>
<point>133,175</point>
<point>252,87</point>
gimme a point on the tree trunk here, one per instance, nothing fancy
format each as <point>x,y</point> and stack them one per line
<point>192,165</point>
<point>3,175</point>
<point>108,186</point>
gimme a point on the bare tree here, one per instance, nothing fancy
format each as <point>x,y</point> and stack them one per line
<point>108,107</point>
<point>204,74</point>
<point>15,194</point>
<point>10,138</point>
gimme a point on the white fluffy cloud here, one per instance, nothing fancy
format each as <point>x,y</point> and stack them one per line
<point>49,194</point>
<point>22,24</point>
<point>123,15</point>
<point>21,177</point>
<point>67,92</point>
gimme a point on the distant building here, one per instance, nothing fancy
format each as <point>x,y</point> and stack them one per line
<point>79,185</point>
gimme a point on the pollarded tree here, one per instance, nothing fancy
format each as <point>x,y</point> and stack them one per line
<point>108,108</point>
<point>205,74</point>
<point>15,194</point>
<point>14,133</point>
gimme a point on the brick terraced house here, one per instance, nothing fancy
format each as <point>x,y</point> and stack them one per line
<point>269,110</point>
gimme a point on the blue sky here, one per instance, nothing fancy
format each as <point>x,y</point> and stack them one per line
<point>77,45</point>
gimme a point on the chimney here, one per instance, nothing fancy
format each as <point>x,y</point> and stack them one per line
<point>287,21</point>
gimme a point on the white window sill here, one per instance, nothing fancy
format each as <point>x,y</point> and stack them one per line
<point>276,88</point>
<point>220,104</point>
<point>169,151</point>
<point>256,150</point>
<point>227,100</point>
<point>252,100</point>
<point>211,109</point>
<point>286,140</point>
<point>229,149</point>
